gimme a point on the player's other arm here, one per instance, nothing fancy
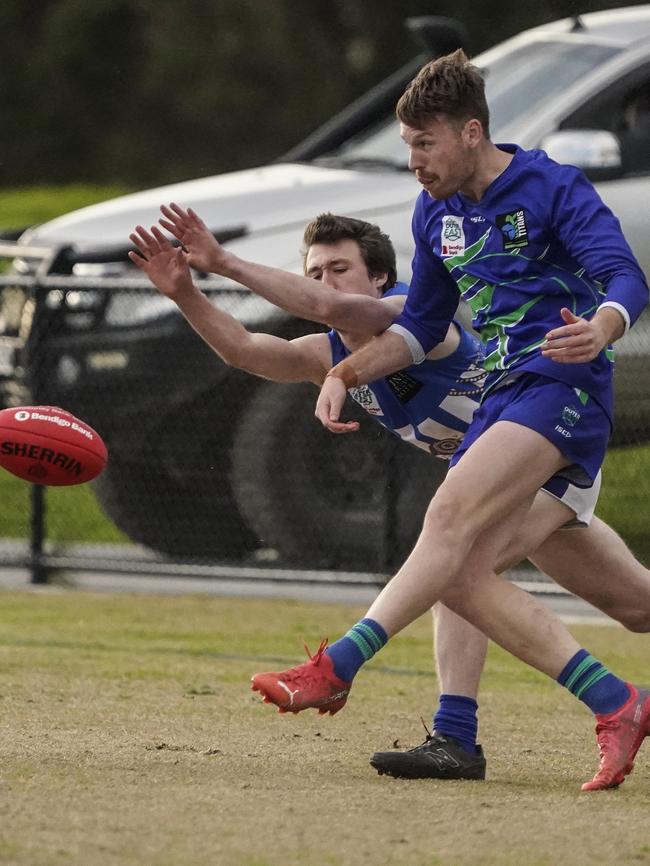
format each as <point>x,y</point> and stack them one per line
<point>304,359</point>
<point>593,236</point>
<point>298,295</point>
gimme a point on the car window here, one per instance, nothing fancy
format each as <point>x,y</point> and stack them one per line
<point>624,109</point>
<point>517,83</point>
<point>523,81</point>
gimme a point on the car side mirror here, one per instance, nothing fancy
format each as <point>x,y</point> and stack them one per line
<point>596,151</point>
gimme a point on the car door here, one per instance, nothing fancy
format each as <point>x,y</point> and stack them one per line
<point>623,108</point>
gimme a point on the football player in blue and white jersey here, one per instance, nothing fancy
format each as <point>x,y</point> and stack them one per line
<point>352,269</point>
<point>552,283</point>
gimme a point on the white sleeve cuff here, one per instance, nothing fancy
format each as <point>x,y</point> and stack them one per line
<point>621,309</point>
<point>416,350</point>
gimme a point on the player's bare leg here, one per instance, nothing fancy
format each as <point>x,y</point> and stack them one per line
<point>595,564</point>
<point>480,503</point>
<point>450,750</point>
<point>494,483</point>
<point>478,508</point>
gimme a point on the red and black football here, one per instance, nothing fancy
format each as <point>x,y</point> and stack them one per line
<point>47,445</point>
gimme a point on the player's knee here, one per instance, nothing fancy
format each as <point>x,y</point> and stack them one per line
<point>447,516</point>
<point>439,517</point>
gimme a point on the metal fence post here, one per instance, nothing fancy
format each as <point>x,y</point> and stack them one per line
<point>38,570</point>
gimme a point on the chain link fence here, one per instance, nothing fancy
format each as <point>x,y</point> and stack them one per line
<point>211,468</point>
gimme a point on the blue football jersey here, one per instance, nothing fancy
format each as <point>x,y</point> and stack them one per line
<point>431,404</point>
<point>539,239</point>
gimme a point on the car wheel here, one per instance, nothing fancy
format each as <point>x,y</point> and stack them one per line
<point>175,495</point>
<point>353,501</point>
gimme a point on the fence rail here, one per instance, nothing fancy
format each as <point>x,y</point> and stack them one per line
<point>212,472</point>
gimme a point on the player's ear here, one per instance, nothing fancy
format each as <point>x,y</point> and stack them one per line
<point>472,132</point>
<point>379,282</point>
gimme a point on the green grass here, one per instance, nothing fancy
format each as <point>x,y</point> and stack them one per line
<point>25,206</point>
<point>624,496</point>
<point>72,513</point>
<point>129,736</point>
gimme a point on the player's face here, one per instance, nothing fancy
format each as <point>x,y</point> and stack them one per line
<point>441,155</point>
<point>341,266</point>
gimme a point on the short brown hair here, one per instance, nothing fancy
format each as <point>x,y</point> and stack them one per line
<point>375,246</point>
<point>449,86</point>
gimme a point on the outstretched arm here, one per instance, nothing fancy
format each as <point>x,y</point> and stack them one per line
<point>298,295</point>
<point>305,359</point>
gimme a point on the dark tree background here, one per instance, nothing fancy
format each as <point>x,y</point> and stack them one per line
<point>153,91</point>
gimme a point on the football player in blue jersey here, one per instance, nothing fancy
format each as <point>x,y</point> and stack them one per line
<point>352,266</point>
<point>552,283</point>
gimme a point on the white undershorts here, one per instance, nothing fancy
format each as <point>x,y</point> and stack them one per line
<point>581,500</point>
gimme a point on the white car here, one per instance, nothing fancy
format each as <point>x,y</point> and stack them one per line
<point>208,462</point>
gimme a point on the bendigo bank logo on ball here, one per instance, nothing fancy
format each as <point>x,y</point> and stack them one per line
<point>48,445</point>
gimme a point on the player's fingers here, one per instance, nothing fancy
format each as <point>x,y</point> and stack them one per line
<point>147,239</point>
<point>137,242</point>
<point>577,346</point>
<point>160,237</point>
<point>568,316</point>
<point>136,259</point>
<point>342,426</point>
<point>171,228</point>
<point>571,341</point>
<point>568,331</point>
<point>164,209</point>
<point>180,212</point>
<point>570,356</point>
<point>194,216</point>
<point>173,218</point>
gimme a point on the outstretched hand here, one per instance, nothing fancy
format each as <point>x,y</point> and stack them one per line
<point>329,405</point>
<point>204,252</point>
<point>578,341</point>
<point>165,265</point>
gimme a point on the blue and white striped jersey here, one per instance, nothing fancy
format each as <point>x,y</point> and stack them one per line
<point>431,404</point>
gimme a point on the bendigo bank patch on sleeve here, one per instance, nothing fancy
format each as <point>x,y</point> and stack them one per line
<point>513,229</point>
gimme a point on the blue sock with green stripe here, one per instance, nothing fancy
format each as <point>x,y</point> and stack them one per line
<point>356,647</point>
<point>591,682</point>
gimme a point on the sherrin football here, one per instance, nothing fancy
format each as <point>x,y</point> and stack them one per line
<point>47,445</point>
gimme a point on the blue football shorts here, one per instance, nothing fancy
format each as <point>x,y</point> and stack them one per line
<point>572,420</point>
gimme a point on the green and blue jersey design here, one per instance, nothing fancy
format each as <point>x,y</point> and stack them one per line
<point>540,239</point>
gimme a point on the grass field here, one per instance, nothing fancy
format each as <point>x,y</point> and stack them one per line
<point>129,736</point>
<point>72,514</point>
<point>26,206</point>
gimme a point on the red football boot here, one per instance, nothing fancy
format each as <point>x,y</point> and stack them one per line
<point>312,684</point>
<point>619,735</point>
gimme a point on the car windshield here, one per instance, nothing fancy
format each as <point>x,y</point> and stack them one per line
<point>517,83</point>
